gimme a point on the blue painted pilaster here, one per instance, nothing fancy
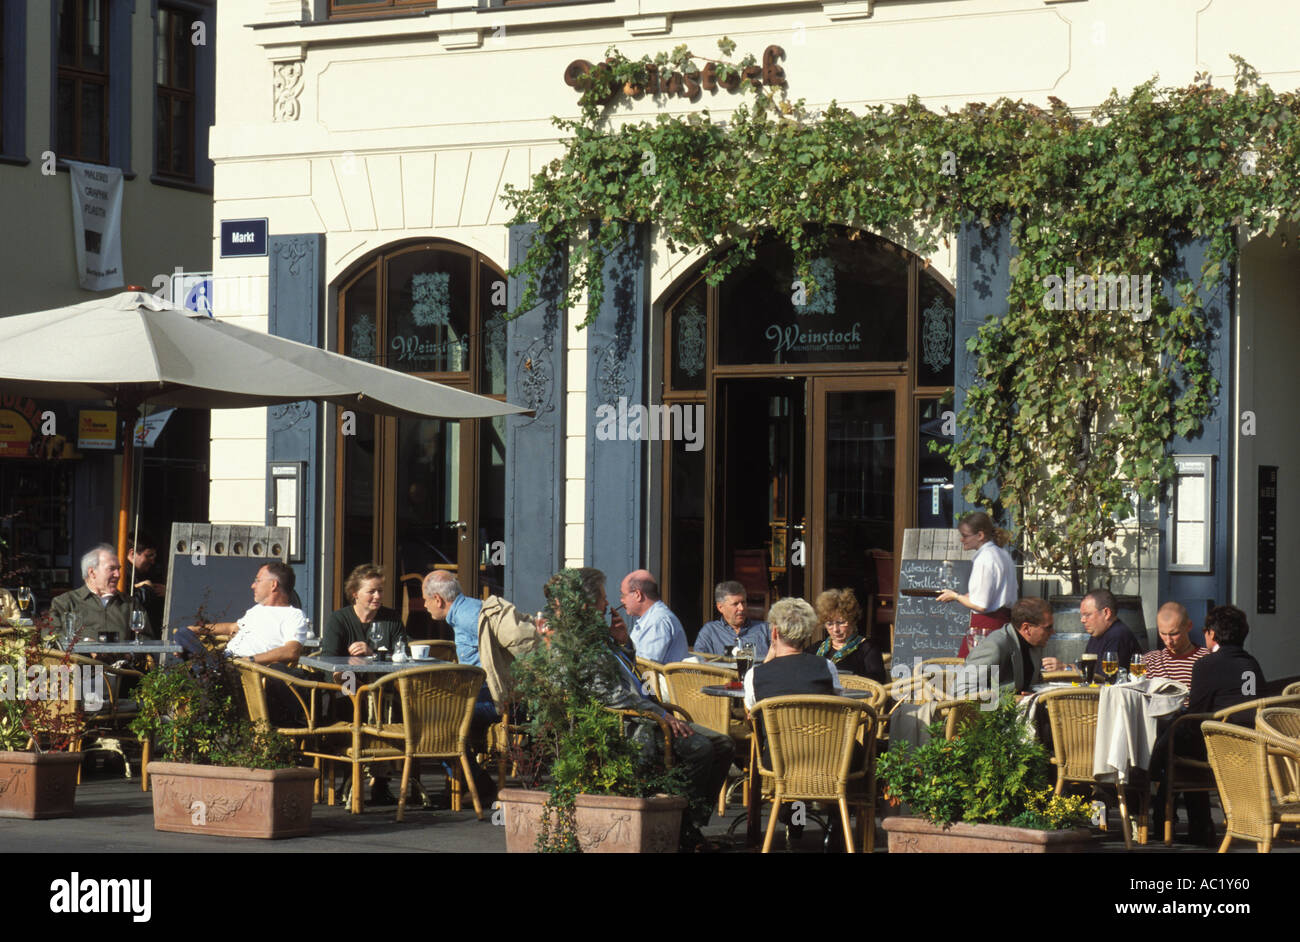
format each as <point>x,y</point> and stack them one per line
<point>534,444</point>
<point>983,281</point>
<point>293,431</point>
<point>616,380</point>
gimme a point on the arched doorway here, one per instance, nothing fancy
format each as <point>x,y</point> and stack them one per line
<point>819,411</point>
<point>418,494</point>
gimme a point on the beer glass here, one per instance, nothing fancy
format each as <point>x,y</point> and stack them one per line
<point>1088,667</point>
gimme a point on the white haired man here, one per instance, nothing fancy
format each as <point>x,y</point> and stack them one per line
<point>98,603</point>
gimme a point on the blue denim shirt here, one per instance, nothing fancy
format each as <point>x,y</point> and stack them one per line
<point>716,636</point>
<point>658,635</point>
<point>463,618</point>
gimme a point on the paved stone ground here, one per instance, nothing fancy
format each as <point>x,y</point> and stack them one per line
<point>114,815</point>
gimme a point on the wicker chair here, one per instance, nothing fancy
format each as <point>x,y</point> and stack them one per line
<point>956,716</point>
<point>1284,773</point>
<point>879,695</point>
<point>811,741</point>
<point>652,675</point>
<point>1238,758</point>
<point>685,686</point>
<point>319,734</point>
<point>944,661</point>
<point>1291,690</point>
<point>106,725</point>
<point>437,708</point>
<point>442,650</point>
<point>1186,774</point>
<point>1073,717</point>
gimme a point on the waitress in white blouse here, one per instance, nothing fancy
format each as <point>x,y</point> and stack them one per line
<point>993,587</point>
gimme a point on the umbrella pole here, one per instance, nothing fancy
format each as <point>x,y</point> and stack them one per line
<point>129,413</point>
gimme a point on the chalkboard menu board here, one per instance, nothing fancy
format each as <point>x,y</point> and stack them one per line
<point>926,627</point>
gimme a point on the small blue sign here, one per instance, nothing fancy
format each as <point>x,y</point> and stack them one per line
<point>243,238</point>
<point>199,297</point>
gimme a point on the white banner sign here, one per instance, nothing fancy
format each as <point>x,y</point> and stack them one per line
<point>97,224</point>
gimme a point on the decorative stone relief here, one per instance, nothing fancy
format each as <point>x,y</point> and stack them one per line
<point>287,86</point>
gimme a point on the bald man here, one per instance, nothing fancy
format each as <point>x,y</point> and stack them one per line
<point>1178,653</point>
<point>657,635</point>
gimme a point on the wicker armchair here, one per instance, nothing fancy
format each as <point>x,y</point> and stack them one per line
<point>1187,774</point>
<point>442,650</point>
<point>106,724</point>
<point>437,708</point>
<point>652,675</point>
<point>956,716</point>
<point>1073,717</point>
<point>664,729</point>
<point>811,742</point>
<point>1284,773</point>
<point>1291,690</point>
<point>878,692</point>
<point>1238,758</point>
<point>685,686</point>
<point>319,739</point>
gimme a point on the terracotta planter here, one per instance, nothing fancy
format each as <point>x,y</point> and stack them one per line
<point>918,836</point>
<point>231,802</point>
<point>38,785</point>
<point>606,824</point>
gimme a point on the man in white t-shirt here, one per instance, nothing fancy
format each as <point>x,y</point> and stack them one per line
<point>271,632</point>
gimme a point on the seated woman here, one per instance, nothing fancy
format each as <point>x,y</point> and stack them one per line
<point>847,650</point>
<point>347,630</point>
<point>789,669</point>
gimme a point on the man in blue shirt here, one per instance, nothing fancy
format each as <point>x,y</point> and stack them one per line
<point>657,635</point>
<point>735,626</point>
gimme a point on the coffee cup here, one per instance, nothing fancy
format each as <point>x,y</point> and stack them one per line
<point>420,651</point>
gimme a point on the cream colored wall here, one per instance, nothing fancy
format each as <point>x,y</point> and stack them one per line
<point>162,227</point>
<point>1268,386</point>
<point>411,127</point>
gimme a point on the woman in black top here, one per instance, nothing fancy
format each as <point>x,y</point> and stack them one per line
<point>347,630</point>
<point>849,651</point>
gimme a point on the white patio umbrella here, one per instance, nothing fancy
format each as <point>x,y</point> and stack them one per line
<point>133,348</point>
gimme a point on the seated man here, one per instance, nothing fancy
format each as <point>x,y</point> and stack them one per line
<point>271,632</point>
<point>1225,677</point>
<point>734,627</point>
<point>657,635</point>
<point>489,634</point>
<point>1016,649</point>
<point>98,603</point>
<point>704,755</point>
<point>1108,632</point>
<point>148,587</point>
<point>1176,659</point>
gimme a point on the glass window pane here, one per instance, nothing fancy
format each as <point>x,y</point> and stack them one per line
<point>427,494</point>
<point>689,337</point>
<point>857,313</point>
<point>492,307</point>
<point>491,504</point>
<point>92,120</point>
<point>68,32</point>
<point>859,509</point>
<point>93,36</point>
<point>67,119</point>
<point>162,47</point>
<point>428,312</point>
<point>162,146</point>
<point>360,323</point>
<point>182,73</point>
<point>182,136</point>
<point>934,499</point>
<point>686,539</point>
<point>935,325</point>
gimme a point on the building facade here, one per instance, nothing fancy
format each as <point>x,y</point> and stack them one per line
<point>696,430</point>
<point>126,84</point>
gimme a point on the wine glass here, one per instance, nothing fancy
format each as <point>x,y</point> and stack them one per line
<point>71,625</point>
<point>24,599</point>
<point>137,624</point>
<point>1110,666</point>
<point>376,636</point>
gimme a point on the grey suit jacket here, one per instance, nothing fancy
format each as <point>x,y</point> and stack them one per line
<point>1002,648</point>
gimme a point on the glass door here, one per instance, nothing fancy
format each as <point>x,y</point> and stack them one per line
<point>858,478</point>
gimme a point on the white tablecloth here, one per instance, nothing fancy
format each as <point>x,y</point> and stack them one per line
<point>1126,724</point>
